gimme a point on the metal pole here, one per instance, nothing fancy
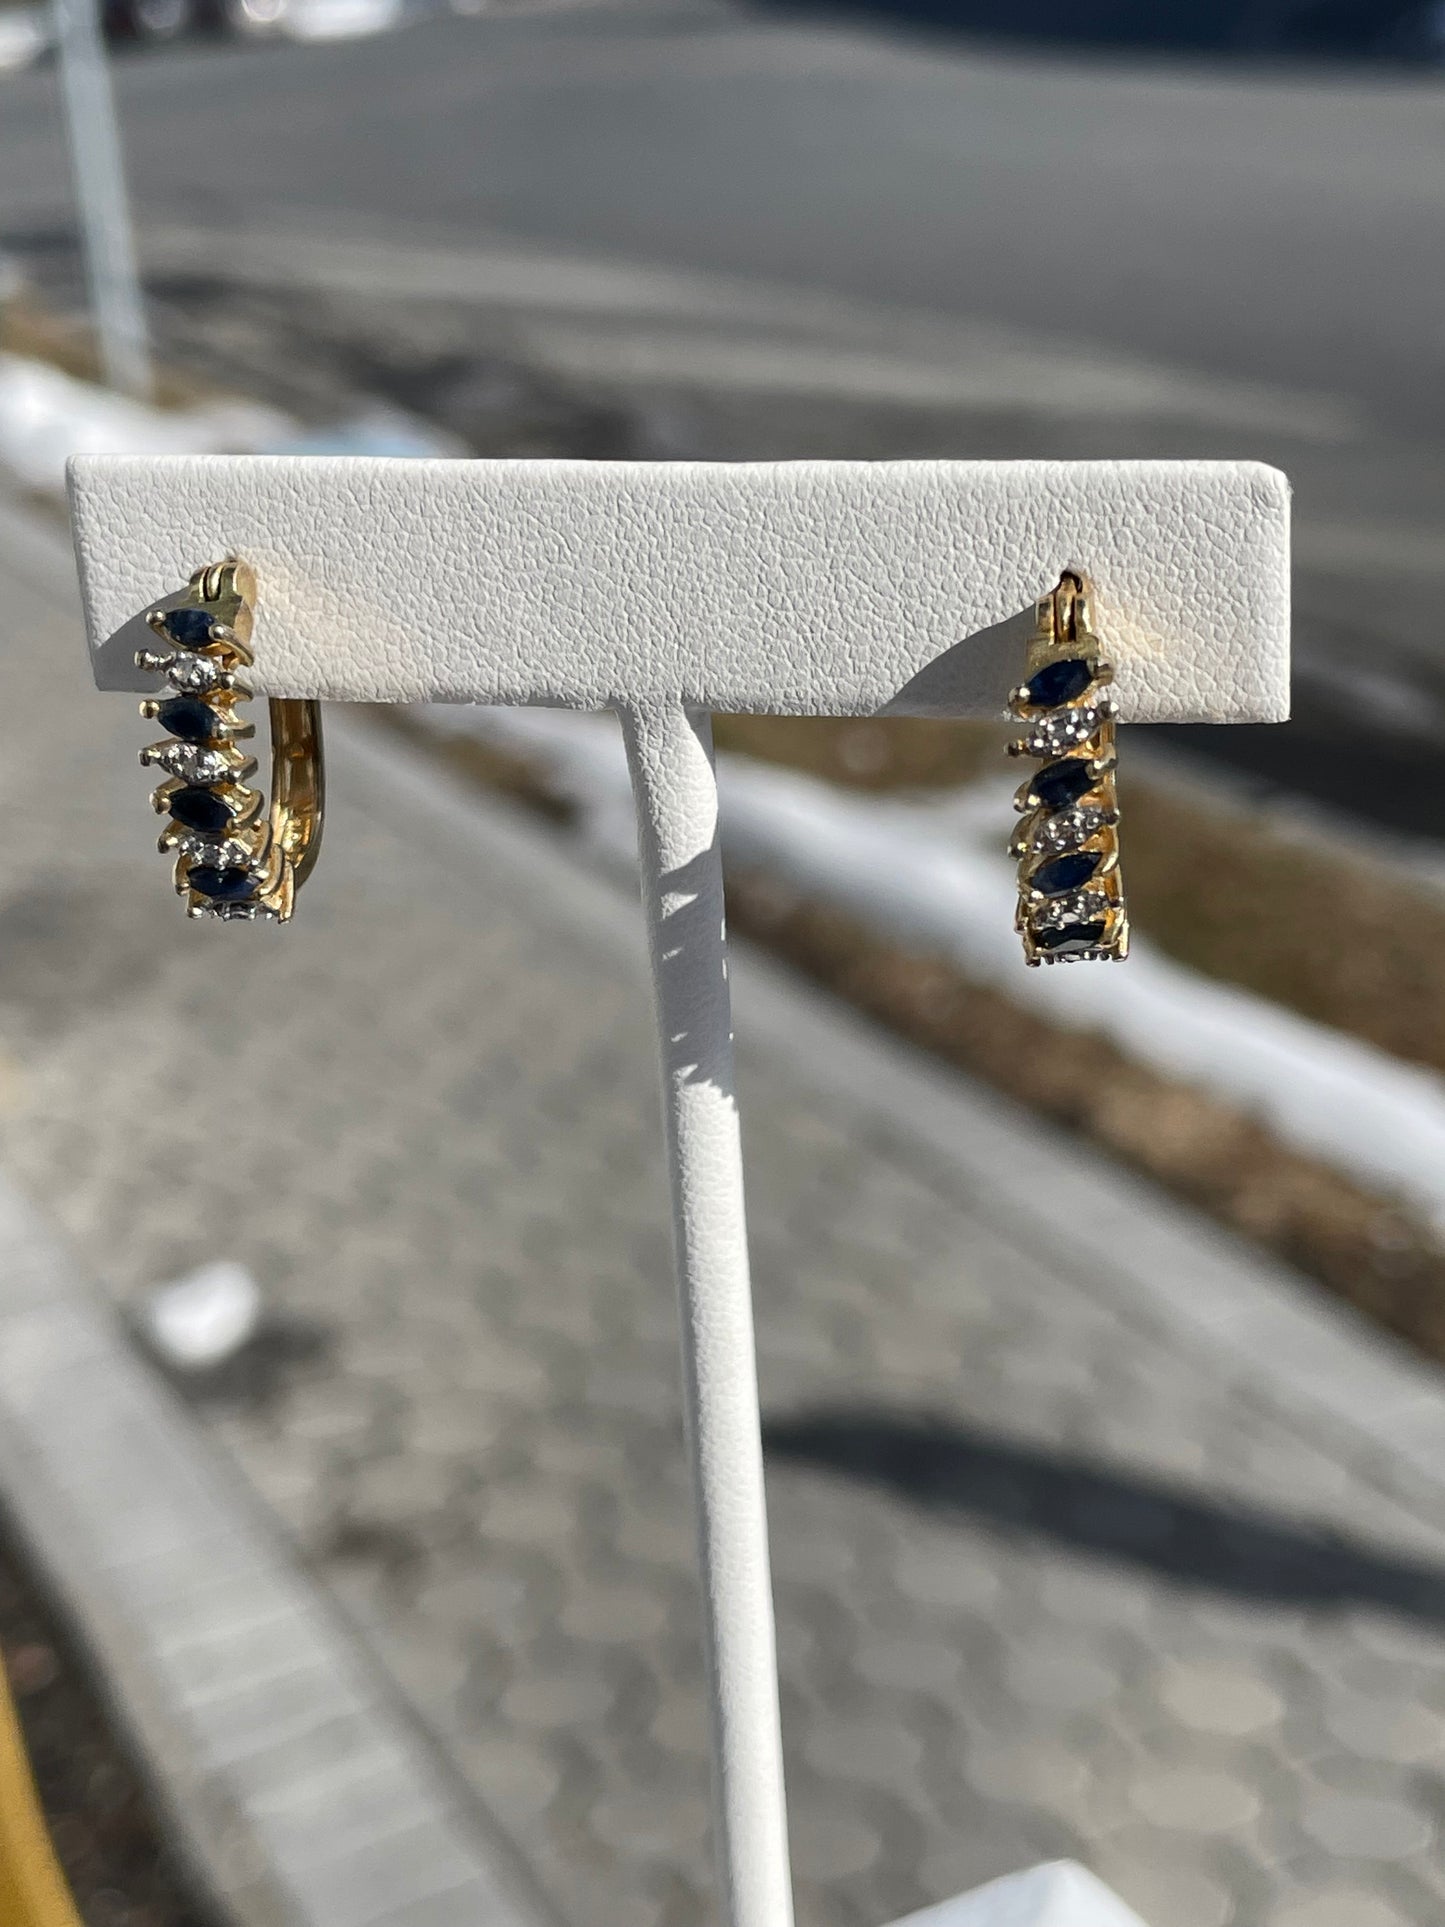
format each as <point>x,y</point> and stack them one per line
<point>106,234</point>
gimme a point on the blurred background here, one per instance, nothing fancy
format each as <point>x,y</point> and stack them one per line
<point>669,229</point>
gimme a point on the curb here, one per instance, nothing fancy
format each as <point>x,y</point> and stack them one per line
<point>298,1788</point>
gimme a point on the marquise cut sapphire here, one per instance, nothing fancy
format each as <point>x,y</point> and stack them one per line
<point>190,627</point>
<point>199,809</point>
<point>227,886</point>
<point>1059,784</point>
<point>1087,935</point>
<point>189,718</point>
<point>1064,873</point>
<point>1058,682</point>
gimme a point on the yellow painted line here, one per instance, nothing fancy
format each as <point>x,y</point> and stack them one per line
<point>33,1892</point>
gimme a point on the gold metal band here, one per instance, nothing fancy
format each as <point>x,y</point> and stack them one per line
<point>298,783</point>
<point>235,860</point>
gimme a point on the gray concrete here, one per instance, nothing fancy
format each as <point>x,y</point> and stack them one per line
<point>1094,1536</point>
<point>281,1755</point>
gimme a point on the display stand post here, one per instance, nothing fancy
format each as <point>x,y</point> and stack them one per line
<point>669,749</point>
<point>665,591</point>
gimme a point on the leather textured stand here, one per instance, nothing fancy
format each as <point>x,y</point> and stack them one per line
<point>803,588</point>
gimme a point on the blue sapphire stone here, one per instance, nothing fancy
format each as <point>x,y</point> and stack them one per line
<point>1058,682</point>
<point>1064,873</point>
<point>189,718</point>
<point>1057,785</point>
<point>190,627</point>
<point>226,886</point>
<point>1088,936</point>
<point>199,809</point>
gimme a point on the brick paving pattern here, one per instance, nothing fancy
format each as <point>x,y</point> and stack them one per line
<point>1045,1586</point>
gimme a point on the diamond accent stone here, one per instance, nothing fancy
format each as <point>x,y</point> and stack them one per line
<point>1071,827</point>
<point>194,674</point>
<point>235,912</point>
<point>223,855</point>
<point>1083,906</point>
<point>191,762</point>
<point>1066,729</point>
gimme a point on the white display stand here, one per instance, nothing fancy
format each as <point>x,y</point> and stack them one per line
<point>1059,1894</point>
<point>665,591</point>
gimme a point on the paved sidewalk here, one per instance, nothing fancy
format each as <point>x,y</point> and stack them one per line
<point>1060,1570</point>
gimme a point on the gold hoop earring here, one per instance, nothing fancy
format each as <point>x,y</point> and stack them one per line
<point>1071,896</point>
<point>235,860</point>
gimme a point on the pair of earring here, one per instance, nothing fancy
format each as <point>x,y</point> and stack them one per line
<point>236,860</point>
<point>1071,897</point>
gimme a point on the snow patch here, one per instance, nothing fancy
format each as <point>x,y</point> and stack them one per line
<point>47,416</point>
<point>933,873</point>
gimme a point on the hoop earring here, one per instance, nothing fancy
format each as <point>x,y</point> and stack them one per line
<point>234,859</point>
<point>1071,897</point>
